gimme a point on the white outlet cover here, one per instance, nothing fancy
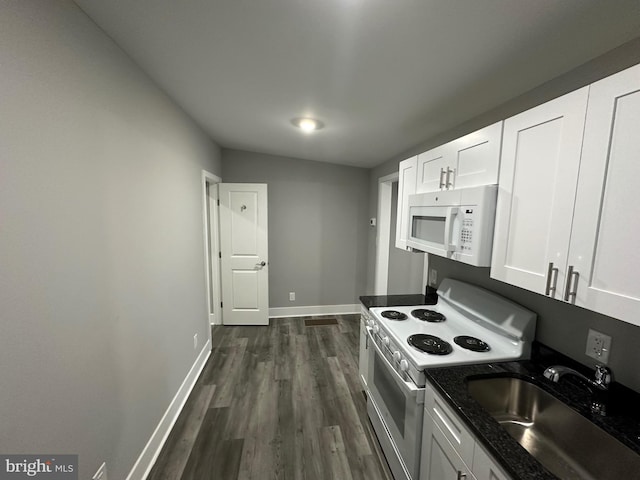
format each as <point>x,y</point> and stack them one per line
<point>598,346</point>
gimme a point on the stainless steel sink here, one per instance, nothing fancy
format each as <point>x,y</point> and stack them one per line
<point>565,442</point>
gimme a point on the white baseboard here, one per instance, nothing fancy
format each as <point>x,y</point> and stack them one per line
<point>153,447</point>
<point>308,311</point>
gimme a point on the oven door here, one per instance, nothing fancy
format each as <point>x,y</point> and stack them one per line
<point>396,413</point>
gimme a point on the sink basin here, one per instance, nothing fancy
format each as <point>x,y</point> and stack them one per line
<point>565,442</point>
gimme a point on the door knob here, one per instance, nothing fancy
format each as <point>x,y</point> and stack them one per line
<point>261,264</point>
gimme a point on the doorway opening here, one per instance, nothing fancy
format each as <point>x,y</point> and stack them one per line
<point>383,236</point>
<point>210,223</point>
<point>396,271</point>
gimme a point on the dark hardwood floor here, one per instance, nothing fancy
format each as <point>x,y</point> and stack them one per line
<point>276,402</point>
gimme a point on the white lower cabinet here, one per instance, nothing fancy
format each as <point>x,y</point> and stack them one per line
<point>449,450</point>
<point>484,468</point>
<point>441,460</point>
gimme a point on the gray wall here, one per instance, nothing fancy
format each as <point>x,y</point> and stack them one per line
<point>405,268</point>
<point>560,326</point>
<point>318,226</point>
<point>102,268</point>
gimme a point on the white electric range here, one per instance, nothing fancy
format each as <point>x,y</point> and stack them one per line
<point>467,325</point>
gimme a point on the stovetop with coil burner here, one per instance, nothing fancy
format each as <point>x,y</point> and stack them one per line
<point>468,325</point>
<point>439,335</point>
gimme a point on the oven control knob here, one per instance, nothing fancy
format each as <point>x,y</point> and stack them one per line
<point>396,356</point>
<point>404,365</point>
<point>375,328</point>
<point>386,341</point>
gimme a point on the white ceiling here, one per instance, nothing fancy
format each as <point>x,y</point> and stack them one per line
<point>383,75</point>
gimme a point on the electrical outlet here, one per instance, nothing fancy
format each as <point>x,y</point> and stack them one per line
<point>195,341</point>
<point>598,346</point>
<point>292,296</point>
<point>433,277</point>
<point>101,474</point>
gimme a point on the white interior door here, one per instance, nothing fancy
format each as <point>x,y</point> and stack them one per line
<point>244,254</point>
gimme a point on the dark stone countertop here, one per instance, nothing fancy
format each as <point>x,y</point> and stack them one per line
<point>392,300</point>
<point>451,383</point>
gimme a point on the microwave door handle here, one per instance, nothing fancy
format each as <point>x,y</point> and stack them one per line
<point>448,229</point>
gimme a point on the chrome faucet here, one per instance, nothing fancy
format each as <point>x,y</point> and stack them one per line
<point>598,387</point>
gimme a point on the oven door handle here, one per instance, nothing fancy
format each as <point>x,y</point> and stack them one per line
<point>408,387</point>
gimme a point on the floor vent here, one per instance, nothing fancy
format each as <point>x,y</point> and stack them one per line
<point>316,322</point>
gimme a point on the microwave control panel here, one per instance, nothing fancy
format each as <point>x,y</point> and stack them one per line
<point>466,232</point>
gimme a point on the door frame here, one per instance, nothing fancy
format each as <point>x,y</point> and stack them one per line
<point>211,240</point>
<point>383,234</point>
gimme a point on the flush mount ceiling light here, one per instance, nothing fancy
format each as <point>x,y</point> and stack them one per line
<point>307,124</point>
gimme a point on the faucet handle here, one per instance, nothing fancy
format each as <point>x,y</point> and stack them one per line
<point>552,373</point>
<point>603,376</point>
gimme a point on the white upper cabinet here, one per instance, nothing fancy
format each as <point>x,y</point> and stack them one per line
<point>602,253</point>
<point>406,187</point>
<point>432,168</point>
<point>477,157</point>
<point>468,161</point>
<point>566,223</point>
<point>537,185</point>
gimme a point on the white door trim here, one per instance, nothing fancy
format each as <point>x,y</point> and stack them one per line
<point>383,235</point>
<point>211,239</point>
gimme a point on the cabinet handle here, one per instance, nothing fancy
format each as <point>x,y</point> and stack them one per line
<point>569,294</point>
<point>551,273</point>
<point>450,174</point>
<point>442,183</point>
<point>461,475</point>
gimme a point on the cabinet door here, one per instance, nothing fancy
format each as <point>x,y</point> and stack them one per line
<point>449,424</point>
<point>432,169</point>
<point>363,360</point>
<point>538,176</point>
<point>476,158</point>
<point>406,187</point>
<point>484,468</point>
<point>440,460</point>
<point>604,241</point>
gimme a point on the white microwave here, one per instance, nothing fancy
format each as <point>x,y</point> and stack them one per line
<point>456,224</point>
